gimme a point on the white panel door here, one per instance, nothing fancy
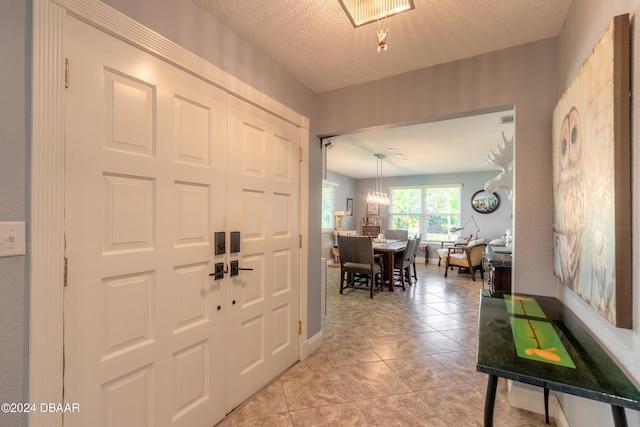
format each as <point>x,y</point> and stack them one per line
<point>263,205</point>
<point>146,183</point>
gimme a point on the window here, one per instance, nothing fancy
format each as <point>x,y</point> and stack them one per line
<point>427,210</point>
<point>328,202</point>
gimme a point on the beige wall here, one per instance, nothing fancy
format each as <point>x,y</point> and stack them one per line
<point>532,77</point>
<point>14,292</point>
<point>523,76</point>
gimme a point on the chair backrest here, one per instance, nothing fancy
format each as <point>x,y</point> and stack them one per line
<point>357,249</point>
<point>408,252</point>
<point>475,253</point>
<point>416,248</point>
<point>397,234</point>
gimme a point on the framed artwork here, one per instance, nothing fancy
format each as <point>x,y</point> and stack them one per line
<point>350,207</point>
<point>592,179</point>
<point>373,209</point>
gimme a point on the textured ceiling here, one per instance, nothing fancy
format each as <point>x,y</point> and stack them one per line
<point>455,145</point>
<point>315,41</point>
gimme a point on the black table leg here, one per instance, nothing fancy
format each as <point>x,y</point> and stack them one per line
<point>546,405</point>
<point>619,417</point>
<point>490,400</point>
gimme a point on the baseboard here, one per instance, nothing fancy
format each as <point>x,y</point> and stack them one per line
<point>558,413</point>
<point>311,345</point>
<point>532,399</point>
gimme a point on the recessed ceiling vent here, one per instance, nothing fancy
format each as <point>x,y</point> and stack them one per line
<point>362,12</point>
<point>506,119</point>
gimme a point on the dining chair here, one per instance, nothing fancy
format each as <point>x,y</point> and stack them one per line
<point>468,257</point>
<point>358,262</point>
<point>402,269</point>
<point>396,234</point>
<point>412,260</point>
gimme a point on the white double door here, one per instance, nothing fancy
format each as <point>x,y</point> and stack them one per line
<point>157,162</point>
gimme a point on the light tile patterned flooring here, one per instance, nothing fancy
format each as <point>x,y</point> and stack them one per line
<point>399,359</point>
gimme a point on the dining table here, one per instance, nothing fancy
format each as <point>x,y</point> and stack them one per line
<point>388,249</point>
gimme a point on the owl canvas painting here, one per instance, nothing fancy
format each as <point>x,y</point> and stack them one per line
<point>591,189</point>
<point>569,222</point>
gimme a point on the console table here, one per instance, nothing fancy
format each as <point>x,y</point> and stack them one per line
<point>537,340</point>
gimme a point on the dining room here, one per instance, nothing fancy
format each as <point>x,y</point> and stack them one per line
<point>422,182</point>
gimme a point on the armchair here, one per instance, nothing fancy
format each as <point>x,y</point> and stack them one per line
<point>469,257</point>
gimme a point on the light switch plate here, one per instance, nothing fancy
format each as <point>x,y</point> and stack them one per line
<point>12,238</point>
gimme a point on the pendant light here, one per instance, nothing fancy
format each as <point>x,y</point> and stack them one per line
<point>378,196</point>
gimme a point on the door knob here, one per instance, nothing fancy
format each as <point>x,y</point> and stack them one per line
<point>219,271</point>
<point>235,268</point>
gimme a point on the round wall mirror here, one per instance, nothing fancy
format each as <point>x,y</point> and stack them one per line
<point>485,202</point>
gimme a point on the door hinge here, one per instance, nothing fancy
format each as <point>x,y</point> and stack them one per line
<point>66,266</point>
<point>299,327</point>
<point>299,154</point>
<point>66,73</point>
<point>299,241</point>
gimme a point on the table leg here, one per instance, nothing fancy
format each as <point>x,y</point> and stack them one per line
<point>546,405</point>
<point>490,400</point>
<point>619,417</point>
<point>388,265</point>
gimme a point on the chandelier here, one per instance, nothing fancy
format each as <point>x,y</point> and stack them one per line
<point>377,196</point>
<point>361,12</point>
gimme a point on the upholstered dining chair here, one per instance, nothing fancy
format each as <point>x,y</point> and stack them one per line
<point>396,234</point>
<point>412,260</point>
<point>402,269</point>
<point>357,261</point>
<point>468,257</point>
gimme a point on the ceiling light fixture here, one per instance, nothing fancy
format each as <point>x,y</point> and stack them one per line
<point>382,33</point>
<point>377,196</point>
<point>362,12</point>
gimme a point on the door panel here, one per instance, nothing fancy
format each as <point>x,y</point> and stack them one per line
<point>263,202</point>
<point>146,188</point>
<point>156,162</point>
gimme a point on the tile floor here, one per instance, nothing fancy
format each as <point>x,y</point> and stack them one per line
<point>399,359</point>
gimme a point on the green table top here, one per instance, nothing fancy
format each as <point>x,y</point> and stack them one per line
<point>537,340</point>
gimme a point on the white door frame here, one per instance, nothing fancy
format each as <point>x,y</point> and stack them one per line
<point>46,222</point>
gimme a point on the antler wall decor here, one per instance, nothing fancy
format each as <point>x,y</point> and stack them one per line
<point>502,160</point>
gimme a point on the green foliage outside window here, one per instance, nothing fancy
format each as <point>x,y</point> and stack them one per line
<point>427,210</point>
<point>328,199</point>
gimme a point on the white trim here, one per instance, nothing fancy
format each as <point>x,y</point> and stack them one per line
<point>335,186</point>
<point>311,345</point>
<point>303,201</point>
<point>531,398</point>
<point>558,414</point>
<point>46,225</point>
<point>46,206</point>
<point>109,20</point>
